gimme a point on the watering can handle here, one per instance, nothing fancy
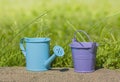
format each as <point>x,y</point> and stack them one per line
<point>84,33</point>
<point>22,47</point>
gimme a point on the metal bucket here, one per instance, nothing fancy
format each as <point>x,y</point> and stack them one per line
<point>83,54</point>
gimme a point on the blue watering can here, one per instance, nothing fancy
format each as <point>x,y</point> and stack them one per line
<point>36,51</point>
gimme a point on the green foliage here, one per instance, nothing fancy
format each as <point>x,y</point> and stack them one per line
<point>99,18</point>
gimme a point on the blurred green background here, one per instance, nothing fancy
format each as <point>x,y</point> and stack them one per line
<point>59,20</point>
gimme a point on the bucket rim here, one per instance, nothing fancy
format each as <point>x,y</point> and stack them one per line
<point>83,44</point>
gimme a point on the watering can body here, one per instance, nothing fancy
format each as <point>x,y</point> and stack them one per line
<point>37,53</point>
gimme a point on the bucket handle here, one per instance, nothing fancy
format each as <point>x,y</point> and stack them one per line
<point>22,46</point>
<point>83,33</point>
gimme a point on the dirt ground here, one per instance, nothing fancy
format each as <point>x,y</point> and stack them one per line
<point>19,74</point>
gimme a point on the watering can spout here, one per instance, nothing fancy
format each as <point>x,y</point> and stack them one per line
<point>49,61</point>
<point>58,51</point>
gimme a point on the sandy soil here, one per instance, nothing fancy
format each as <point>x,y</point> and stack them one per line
<point>19,74</point>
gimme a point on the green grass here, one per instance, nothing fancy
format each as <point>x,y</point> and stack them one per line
<point>100,19</point>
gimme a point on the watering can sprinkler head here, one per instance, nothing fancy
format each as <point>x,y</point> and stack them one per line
<point>58,51</point>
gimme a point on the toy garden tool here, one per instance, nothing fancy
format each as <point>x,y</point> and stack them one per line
<point>83,54</point>
<point>36,51</point>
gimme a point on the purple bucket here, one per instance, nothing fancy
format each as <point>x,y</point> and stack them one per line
<point>83,54</point>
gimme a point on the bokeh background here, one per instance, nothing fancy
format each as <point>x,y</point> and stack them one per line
<point>58,20</point>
